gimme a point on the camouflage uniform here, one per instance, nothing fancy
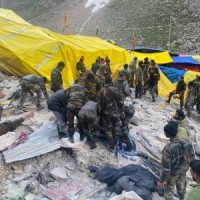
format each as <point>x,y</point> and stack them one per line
<point>138,82</point>
<point>80,66</point>
<point>145,72</point>
<point>122,86</point>
<point>126,73</point>
<point>31,84</point>
<point>76,99</point>
<point>175,158</point>
<point>124,136</point>
<point>198,96</point>
<point>180,89</point>
<point>101,74</point>
<point>56,80</point>
<point>154,72</point>
<point>111,107</point>
<point>10,126</point>
<point>132,67</point>
<point>190,99</point>
<point>88,122</point>
<point>95,66</point>
<point>93,86</point>
<point>151,85</point>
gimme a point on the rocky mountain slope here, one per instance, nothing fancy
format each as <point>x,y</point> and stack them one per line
<point>150,20</point>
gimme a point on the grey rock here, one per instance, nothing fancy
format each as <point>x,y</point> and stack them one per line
<point>59,173</point>
<point>197,148</point>
<point>127,196</point>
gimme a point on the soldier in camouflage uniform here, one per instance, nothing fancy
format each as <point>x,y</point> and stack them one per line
<point>31,84</point>
<point>82,74</point>
<point>96,65</point>
<point>101,74</point>
<point>56,77</point>
<point>176,156</point>
<point>126,72</point>
<point>124,129</point>
<point>76,99</point>
<point>88,122</point>
<point>80,65</point>
<point>190,98</point>
<point>93,86</point>
<point>8,126</point>
<point>107,64</point>
<point>198,95</point>
<point>146,65</point>
<point>111,108</point>
<point>122,85</point>
<point>138,80</point>
<point>180,90</point>
<point>153,71</point>
<point>132,67</point>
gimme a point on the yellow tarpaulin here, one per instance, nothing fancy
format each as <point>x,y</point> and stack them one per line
<point>160,57</point>
<point>197,58</point>
<point>165,86</point>
<point>27,49</point>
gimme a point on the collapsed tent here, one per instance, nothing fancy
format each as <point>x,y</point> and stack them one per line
<point>27,49</point>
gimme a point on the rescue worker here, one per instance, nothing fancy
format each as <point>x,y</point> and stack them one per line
<point>8,126</point>
<point>126,72</point>
<point>198,95</point>
<point>182,120</point>
<point>57,103</point>
<point>146,65</point>
<point>153,71</point>
<point>56,77</point>
<point>122,85</point>
<point>132,67</point>
<point>193,194</point>
<point>111,108</point>
<point>76,99</point>
<point>88,122</point>
<point>151,85</point>
<point>107,64</point>
<point>82,74</point>
<point>176,156</point>
<point>96,66</point>
<point>180,90</point>
<point>33,84</point>
<point>93,86</point>
<point>190,98</point>
<point>101,74</point>
<point>125,121</point>
<point>138,80</point>
<point>80,65</point>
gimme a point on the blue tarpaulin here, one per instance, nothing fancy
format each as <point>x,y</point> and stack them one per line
<point>184,60</point>
<point>172,74</point>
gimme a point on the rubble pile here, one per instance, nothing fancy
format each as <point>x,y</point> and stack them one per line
<point>64,173</point>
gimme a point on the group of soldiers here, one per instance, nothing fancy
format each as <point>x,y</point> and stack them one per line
<point>192,96</point>
<point>103,111</point>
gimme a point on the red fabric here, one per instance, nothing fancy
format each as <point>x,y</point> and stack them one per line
<point>23,137</point>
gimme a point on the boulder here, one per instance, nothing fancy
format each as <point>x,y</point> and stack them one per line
<point>197,148</point>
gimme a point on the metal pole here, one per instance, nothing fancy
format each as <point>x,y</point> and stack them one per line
<point>170,26</point>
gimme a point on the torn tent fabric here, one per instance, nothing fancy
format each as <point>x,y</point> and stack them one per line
<point>131,177</point>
